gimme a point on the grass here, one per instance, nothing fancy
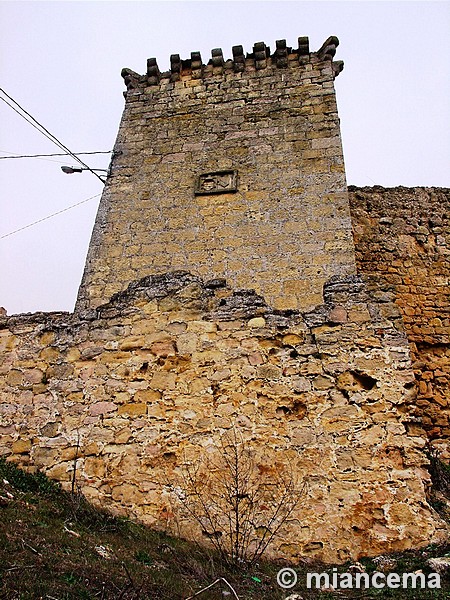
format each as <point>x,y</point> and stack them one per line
<point>55,546</point>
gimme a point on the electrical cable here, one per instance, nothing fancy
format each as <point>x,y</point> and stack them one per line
<point>28,121</point>
<point>53,160</point>
<point>39,157</point>
<point>45,131</point>
<point>42,155</point>
<point>34,123</point>
<point>49,216</point>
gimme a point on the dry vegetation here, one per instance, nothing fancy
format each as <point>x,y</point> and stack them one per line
<point>55,546</point>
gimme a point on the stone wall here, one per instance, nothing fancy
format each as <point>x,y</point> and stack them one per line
<point>130,389</point>
<point>270,210</point>
<point>234,169</point>
<point>403,235</point>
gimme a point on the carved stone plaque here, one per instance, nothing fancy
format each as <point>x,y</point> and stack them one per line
<point>219,182</point>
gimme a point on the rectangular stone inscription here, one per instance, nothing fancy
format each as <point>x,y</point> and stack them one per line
<point>219,182</point>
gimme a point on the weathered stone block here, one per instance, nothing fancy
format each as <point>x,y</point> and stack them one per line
<point>132,410</point>
<point>21,446</point>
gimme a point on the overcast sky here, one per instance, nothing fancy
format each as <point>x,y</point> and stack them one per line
<point>62,60</point>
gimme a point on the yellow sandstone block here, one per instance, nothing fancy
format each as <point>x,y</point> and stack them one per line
<point>132,410</point>
<point>21,446</point>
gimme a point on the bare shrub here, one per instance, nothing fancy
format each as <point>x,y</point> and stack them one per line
<point>239,504</point>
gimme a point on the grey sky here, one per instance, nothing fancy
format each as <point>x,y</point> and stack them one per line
<point>62,60</point>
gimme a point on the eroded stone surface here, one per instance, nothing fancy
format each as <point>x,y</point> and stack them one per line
<point>234,169</point>
<point>403,235</point>
<point>167,366</point>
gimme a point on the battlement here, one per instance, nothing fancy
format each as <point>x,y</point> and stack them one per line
<point>261,58</point>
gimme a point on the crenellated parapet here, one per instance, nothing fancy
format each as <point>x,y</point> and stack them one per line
<point>260,58</point>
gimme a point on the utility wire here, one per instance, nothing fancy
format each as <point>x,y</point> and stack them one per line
<point>49,216</point>
<point>39,156</point>
<point>42,155</point>
<point>53,160</point>
<point>27,120</point>
<point>45,131</point>
<point>34,123</point>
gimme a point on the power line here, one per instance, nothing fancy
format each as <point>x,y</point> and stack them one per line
<point>53,160</point>
<point>27,120</point>
<point>34,123</point>
<point>44,131</point>
<point>49,216</point>
<point>42,155</point>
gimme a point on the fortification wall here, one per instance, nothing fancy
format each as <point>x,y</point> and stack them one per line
<point>403,235</point>
<point>231,169</point>
<point>234,169</point>
<point>158,374</point>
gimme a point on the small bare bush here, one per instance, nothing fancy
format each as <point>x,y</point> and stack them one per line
<point>239,504</point>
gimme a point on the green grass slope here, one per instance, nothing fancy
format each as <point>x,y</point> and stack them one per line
<point>56,546</point>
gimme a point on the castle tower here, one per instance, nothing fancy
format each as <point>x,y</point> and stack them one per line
<point>231,169</point>
<point>234,170</point>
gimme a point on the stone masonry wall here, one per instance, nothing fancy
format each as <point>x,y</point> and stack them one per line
<point>403,234</point>
<point>282,228</point>
<point>128,390</point>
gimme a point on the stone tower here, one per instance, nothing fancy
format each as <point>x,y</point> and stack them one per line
<point>231,169</point>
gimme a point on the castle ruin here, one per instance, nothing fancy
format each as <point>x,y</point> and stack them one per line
<point>233,281</point>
